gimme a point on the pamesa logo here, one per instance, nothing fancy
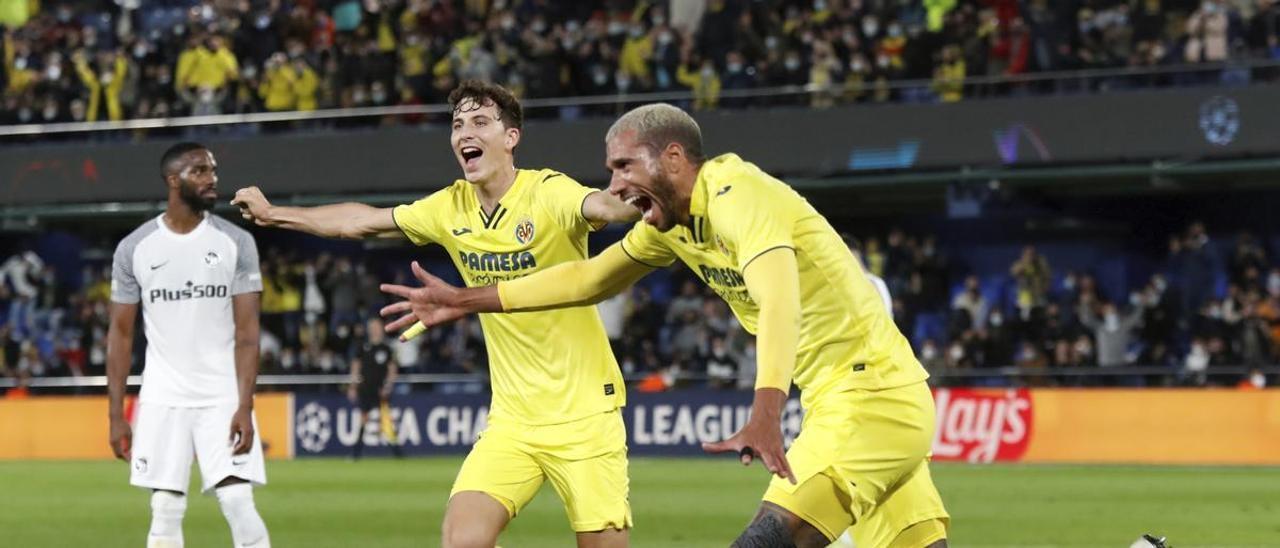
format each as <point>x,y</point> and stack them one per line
<point>313,427</point>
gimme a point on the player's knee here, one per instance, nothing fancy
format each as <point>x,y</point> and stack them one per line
<point>456,535</point>
<point>167,510</point>
<point>247,527</point>
<point>766,531</point>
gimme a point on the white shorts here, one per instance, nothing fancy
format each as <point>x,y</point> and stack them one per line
<point>166,438</point>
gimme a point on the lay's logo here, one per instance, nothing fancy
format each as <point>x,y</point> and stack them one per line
<point>524,231</point>
<point>982,425</point>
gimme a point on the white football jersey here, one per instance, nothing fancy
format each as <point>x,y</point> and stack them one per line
<point>184,283</point>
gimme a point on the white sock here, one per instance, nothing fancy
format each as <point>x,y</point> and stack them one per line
<point>247,528</point>
<point>167,509</point>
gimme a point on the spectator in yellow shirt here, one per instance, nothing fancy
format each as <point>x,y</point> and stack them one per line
<point>948,78</point>
<point>104,85</point>
<point>306,85</point>
<point>277,88</point>
<point>637,51</point>
<point>206,64</point>
<point>705,83</point>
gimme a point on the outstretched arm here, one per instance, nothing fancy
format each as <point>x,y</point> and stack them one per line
<point>602,207</point>
<point>350,220</point>
<point>576,283</point>
<point>773,280</point>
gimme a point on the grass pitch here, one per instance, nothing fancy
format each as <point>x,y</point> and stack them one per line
<point>676,503</point>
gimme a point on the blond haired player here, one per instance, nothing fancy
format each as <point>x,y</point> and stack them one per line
<point>556,386</point>
<point>862,455</point>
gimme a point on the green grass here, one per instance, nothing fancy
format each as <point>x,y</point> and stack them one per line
<point>676,502</point>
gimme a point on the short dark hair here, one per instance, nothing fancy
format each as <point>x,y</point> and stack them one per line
<point>175,153</point>
<point>485,93</point>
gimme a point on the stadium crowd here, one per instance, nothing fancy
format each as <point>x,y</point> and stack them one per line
<point>97,60</point>
<point>1209,304</point>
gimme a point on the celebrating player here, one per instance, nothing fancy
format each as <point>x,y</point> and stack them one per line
<point>196,278</point>
<point>556,385</point>
<point>861,458</point>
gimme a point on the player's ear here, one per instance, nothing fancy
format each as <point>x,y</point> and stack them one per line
<point>513,137</point>
<point>672,157</point>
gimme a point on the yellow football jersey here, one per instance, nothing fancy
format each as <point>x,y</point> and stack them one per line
<point>545,367</point>
<point>737,212</point>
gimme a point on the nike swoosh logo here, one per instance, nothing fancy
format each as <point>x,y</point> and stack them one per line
<point>461,231</point>
<point>155,266</point>
<point>724,190</point>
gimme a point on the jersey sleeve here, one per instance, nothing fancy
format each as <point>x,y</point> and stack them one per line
<point>124,285</point>
<point>420,221</point>
<point>248,276</point>
<point>644,244</point>
<point>562,196</point>
<point>752,218</point>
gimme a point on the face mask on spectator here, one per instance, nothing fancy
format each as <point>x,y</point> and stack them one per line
<point>538,26</point>
<point>895,30</point>
<point>806,38</point>
<point>870,27</point>
<point>708,71</point>
<point>50,112</point>
<point>599,77</point>
<point>792,63</point>
<point>734,67</point>
<point>263,21</point>
<point>957,352</point>
<point>378,96</point>
<point>106,78</point>
<point>140,50</point>
<point>882,61</point>
<point>857,66</point>
<point>616,28</point>
<point>568,42</point>
<point>659,20</point>
<point>1209,8</point>
<point>665,38</point>
<point>624,83</point>
<point>24,114</point>
<point>637,31</point>
<point>572,27</point>
<point>508,23</point>
<point>928,352</point>
<point>20,63</point>
<point>64,15</point>
<point>53,72</point>
<point>179,30</point>
<point>996,320</point>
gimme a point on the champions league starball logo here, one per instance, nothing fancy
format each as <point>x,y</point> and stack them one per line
<point>313,427</point>
<point>1220,120</point>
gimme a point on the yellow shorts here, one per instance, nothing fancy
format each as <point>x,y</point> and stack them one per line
<point>585,460</point>
<point>862,458</point>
